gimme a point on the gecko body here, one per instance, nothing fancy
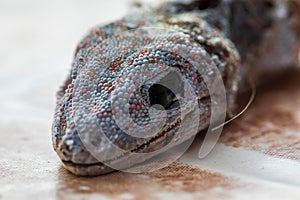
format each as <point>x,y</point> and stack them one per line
<point>122,69</point>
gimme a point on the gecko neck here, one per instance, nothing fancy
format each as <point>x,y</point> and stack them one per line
<point>266,33</point>
<point>242,21</point>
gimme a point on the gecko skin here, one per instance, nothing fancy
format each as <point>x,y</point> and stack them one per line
<point>241,38</point>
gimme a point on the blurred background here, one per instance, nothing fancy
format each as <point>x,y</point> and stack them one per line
<point>37,41</point>
<point>257,157</point>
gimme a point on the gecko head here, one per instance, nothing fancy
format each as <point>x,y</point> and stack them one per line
<point>133,97</point>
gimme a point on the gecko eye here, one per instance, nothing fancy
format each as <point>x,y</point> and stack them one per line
<point>167,91</point>
<point>159,94</point>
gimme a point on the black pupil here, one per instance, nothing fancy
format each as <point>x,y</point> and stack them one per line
<point>161,95</point>
<point>196,5</point>
<point>164,92</point>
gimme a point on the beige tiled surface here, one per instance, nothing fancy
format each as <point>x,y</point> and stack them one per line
<point>257,157</point>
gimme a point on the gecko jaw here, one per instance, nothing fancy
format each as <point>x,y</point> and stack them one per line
<point>98,168</point>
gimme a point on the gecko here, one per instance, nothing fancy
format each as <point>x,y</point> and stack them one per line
<point>120,68</point>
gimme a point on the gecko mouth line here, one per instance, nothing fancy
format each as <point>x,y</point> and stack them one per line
<point>175,125</point>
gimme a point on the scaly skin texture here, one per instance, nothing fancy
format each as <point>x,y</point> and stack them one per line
<point>242,38</point>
